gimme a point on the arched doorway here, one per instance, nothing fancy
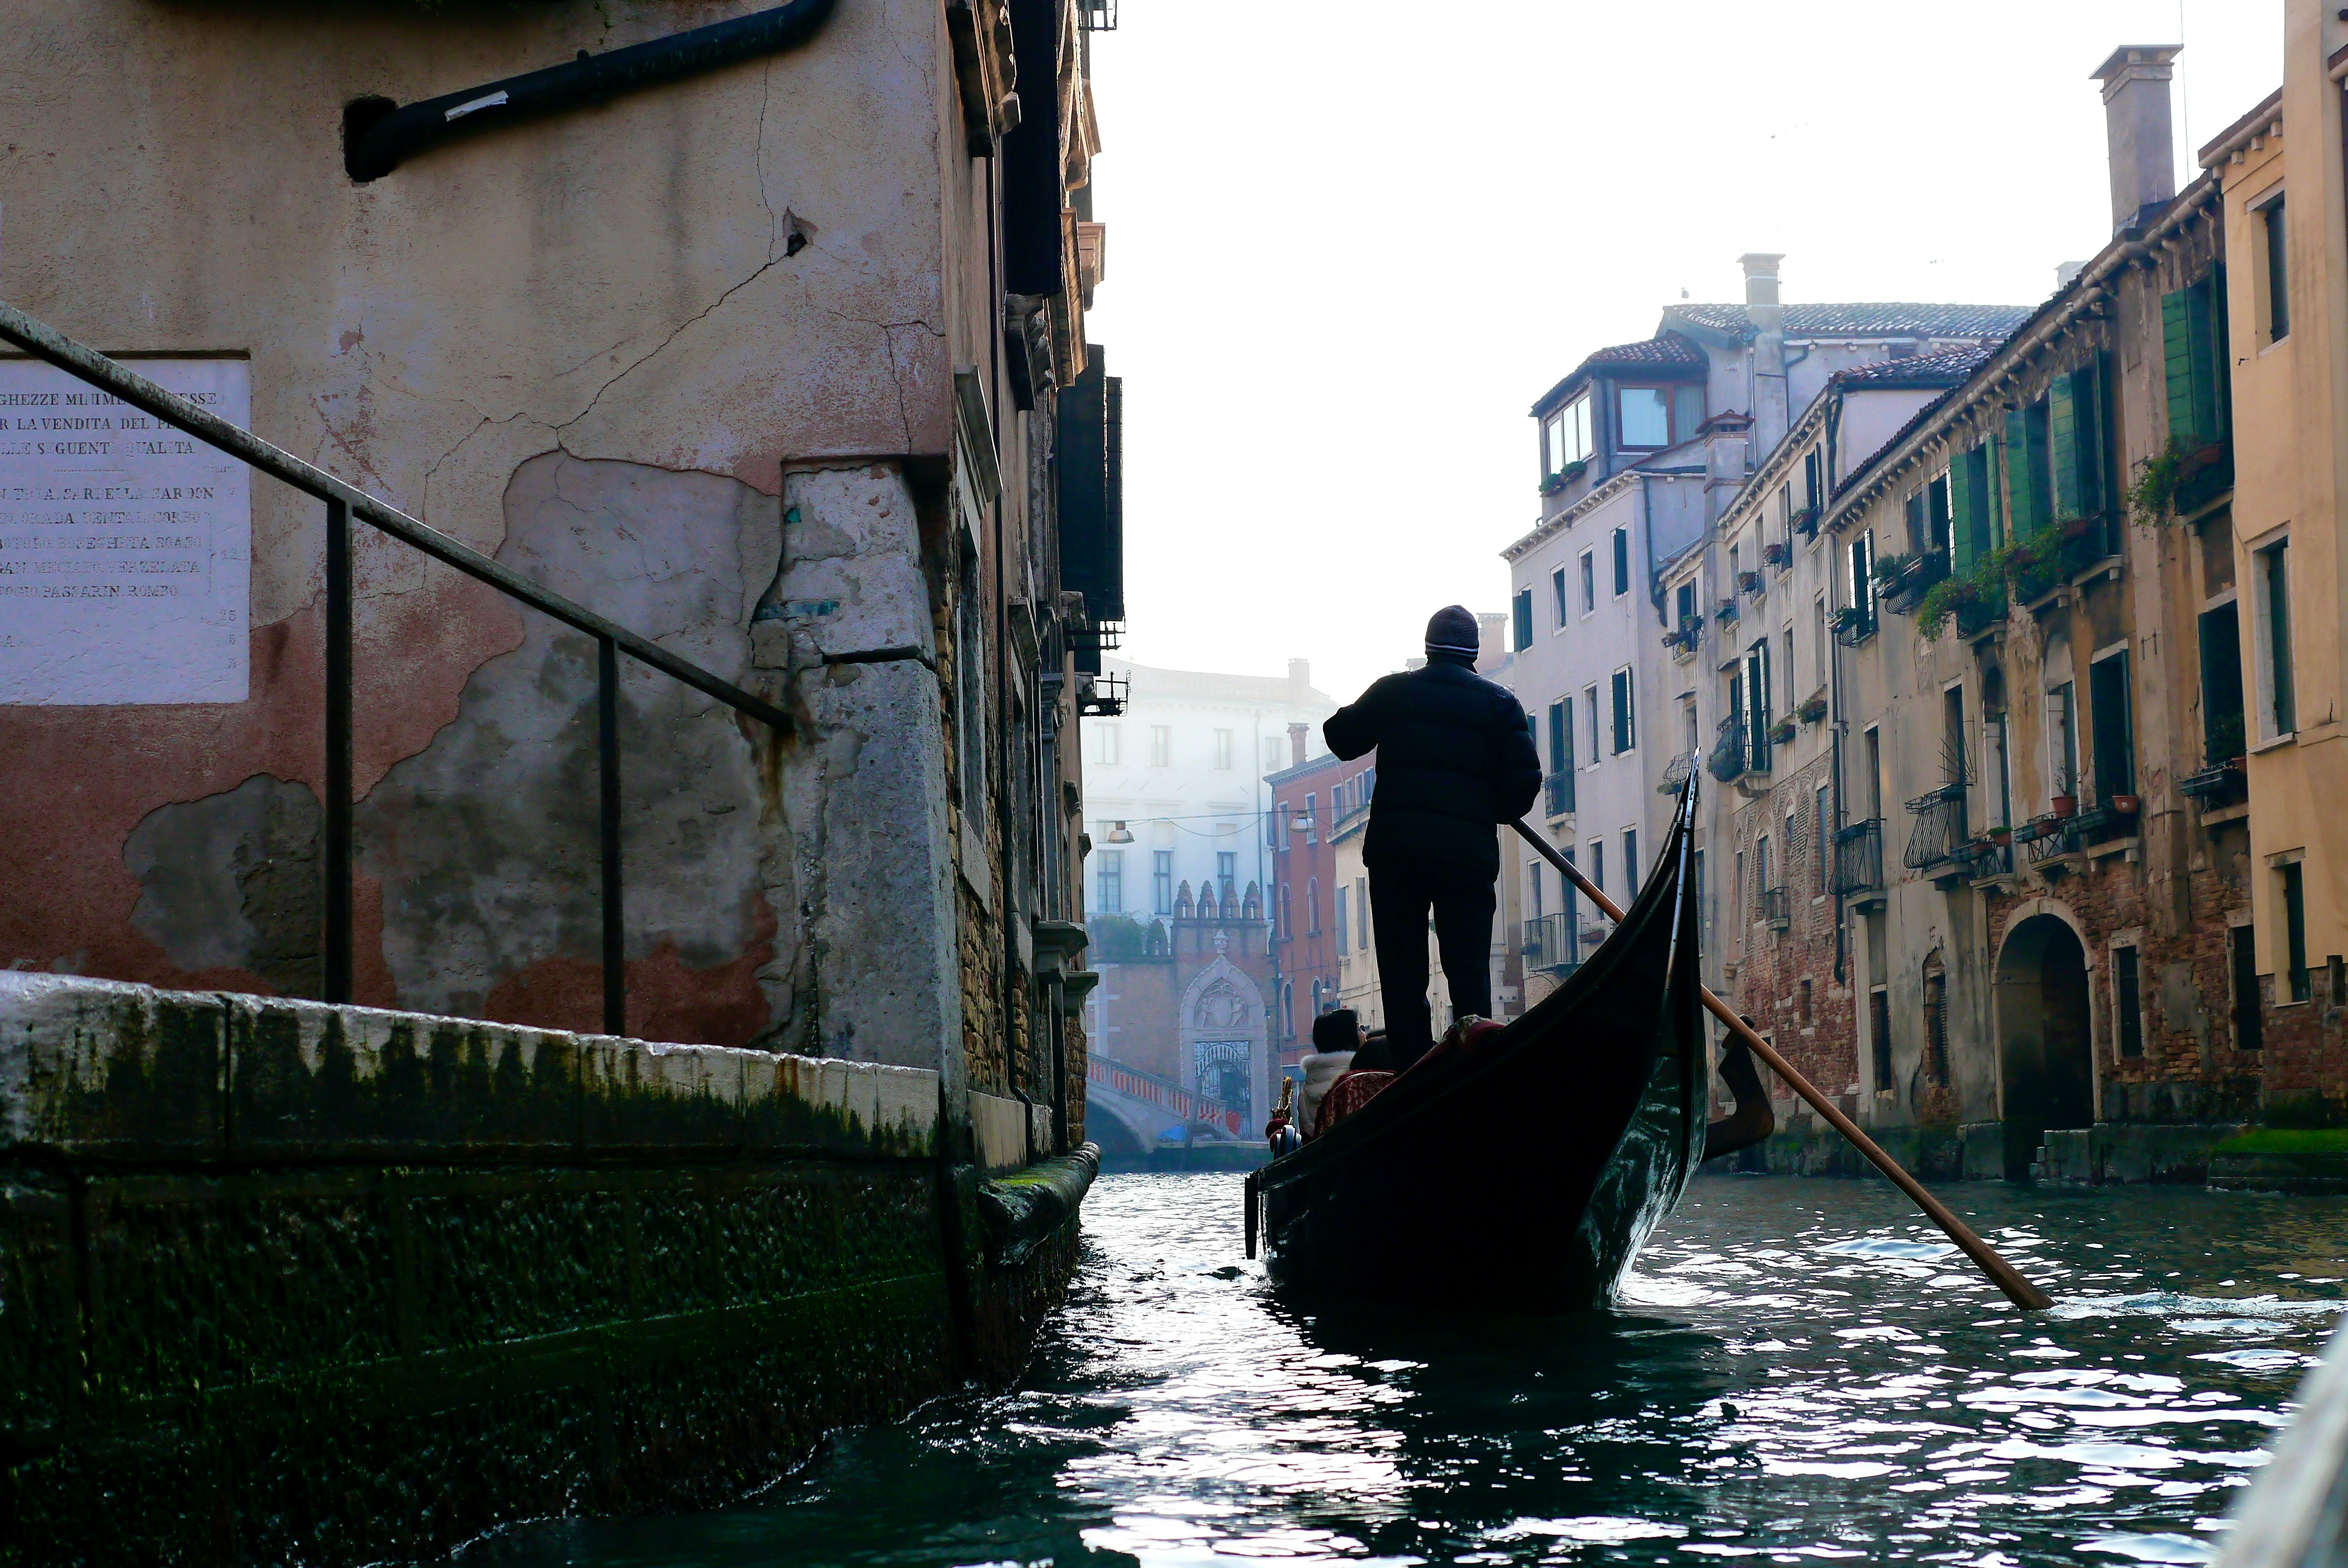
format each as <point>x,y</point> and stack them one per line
<point>2045,1041</point>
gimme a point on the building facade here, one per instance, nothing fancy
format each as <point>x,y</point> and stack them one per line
<point>1318,913</point>
<point>812,432</point>
<point>1641,448</point>
<point>2012,868</point>
<point>2285,314</point>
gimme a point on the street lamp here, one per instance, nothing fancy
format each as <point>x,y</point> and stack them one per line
<point>1118,835</point>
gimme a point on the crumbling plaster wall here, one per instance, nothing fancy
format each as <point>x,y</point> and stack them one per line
<point>587,346</point>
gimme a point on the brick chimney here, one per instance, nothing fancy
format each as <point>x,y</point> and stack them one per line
<point>2137,127</point>
<point>1767,316</point>
<point>1492,638</point>
<point>1299,735</point>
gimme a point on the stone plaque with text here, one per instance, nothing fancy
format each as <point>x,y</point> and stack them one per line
<point>126,546</point>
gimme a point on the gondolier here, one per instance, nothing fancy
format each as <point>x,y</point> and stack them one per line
<point>1455,760</point>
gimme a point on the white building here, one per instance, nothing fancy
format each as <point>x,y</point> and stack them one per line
<point>1642,447</point>
<point>1174,787</point>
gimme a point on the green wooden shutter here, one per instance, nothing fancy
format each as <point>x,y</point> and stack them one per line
<point>2177,360</point>
<point>2021,516</point>
<point>1994,466</point>
<point>2096,485</point>
<point>1963,495</point>
<point>2222,343</point>
<point>2065,419</point>
<point>2201,316</point>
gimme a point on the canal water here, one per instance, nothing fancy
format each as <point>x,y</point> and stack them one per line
<point>1803,1371</point>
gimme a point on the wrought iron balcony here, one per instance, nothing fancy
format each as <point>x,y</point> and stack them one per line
<point>1858,857</point>
<point>1940,827</point>
<point>1549,942</point>
<point>1558,788</point>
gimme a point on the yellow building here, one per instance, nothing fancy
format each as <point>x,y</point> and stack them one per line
<point>2287,313</point>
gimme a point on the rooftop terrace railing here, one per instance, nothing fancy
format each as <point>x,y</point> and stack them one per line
<point>342,502</point>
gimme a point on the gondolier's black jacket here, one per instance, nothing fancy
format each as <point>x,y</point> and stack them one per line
<point>1454,758</point>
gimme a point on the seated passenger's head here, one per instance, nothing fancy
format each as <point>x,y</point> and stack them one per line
<point>1339,1030</point>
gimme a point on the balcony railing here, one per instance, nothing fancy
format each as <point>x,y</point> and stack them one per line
<point>1549,943</point>
<point>1558,788</point>
<point>1774,907</point>
<point>1858,857</point>
<point>1940,827</point>
<point>344,506</point>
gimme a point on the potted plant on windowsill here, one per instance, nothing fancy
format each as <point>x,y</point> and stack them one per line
<point>1782,731</point>
<point>2001,836</point>
<point>2126,805</point>
<point>2063,803</point>
<point>1814,710</point>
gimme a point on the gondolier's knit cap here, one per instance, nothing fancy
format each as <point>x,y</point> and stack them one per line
<point>1337,1030</point>
<point>1453,631</point>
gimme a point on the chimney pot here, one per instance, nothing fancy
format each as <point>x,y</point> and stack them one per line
<point>1760,276</point>
<point>2137,129</point>
<point>1298,735</point>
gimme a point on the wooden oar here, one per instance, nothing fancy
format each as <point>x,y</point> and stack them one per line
<point>2003,1274</point>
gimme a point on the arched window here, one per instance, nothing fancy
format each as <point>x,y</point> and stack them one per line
<point>1287,930</point>
<point>1313,907</point>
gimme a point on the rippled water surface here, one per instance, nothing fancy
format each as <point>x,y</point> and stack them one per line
<point>1803,1371</point>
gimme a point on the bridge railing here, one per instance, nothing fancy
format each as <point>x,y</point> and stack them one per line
<point>1164,1093</point>
<point>344,502</point>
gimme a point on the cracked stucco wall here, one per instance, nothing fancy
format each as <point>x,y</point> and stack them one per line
<point>589,346</point>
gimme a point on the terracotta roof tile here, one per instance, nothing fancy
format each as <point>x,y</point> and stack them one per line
<point>1889,318</point>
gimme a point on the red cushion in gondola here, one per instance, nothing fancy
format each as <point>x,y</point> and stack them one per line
<point>1348,1095</point>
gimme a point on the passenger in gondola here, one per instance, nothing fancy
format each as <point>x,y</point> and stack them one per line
<point>1455,760</point>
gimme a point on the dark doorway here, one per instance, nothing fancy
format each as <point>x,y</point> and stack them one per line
<point>2045,1043</point>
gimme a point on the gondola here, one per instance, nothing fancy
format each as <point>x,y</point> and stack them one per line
<point>1518,1167</point>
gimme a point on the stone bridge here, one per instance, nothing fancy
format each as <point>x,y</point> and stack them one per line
<point>1126,1110</point>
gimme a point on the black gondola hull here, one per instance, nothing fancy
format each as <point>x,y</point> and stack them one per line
<point>1524,1170</point>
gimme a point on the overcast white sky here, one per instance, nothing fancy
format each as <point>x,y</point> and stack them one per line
<point>1351,240</point>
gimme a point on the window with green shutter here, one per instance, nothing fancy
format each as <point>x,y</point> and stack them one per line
<point>1969,496</point>
<point>2193,351</point>
<point>2075,423</point>
<point>2030,506</point>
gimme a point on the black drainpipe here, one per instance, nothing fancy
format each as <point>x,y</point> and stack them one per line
<point>378,136</point>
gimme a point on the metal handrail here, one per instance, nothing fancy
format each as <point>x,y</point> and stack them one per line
<point>1164,1093</point>
<point>344,501</point>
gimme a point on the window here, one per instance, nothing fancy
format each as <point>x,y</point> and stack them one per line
<point>1312,820</point>
<point>1823,839</point>
<point>1813,488</point>
<point>2030,475</point>
<point>1565,435</point>
<point>1524,619</point>
<point>1878,1036</point>
<point>1684,610</point>
<point>1279,825</point>
<point>1631,863</point>
<point>1342,944</point>
<point>1936,1027</point>
<point>1598,865</point>
<point>1561,736</point>
<point>2278,704</point>
<point>2114,741</point>
<point>2127,1002</point>
<point>1108,744</point>
<point>2243,960</point>
<point>1819,639</point>
<point>1227,868</point>
<point>2278,259</point>
<point>2294,979</point>
<point>1223,749</point>
<point>2195,355</point>
<point>1362,902</point>
<point>1646,417</point>
<point>1802,1002</point>
<point>1761,868</point>
<point>1936,514</point>
<point>1111,897</point>
<point>1533,888</point>
<point>1161,746</point>
<point>1557,593</point>
<point>2079,449</point>
<point>2061,741</point>
<point>1313,907</point>
<point>1589,581</point>
<point>1287,926</point>
<point>2221,685</point>
<point>1161,882</point>
<point>1621,561</point>
<point>1271,759</point>
<point>1590,706</point>
<point>1874,781</point>
<point>1687,727</point>
<point>1625,736</point>
<point>1862,579</point>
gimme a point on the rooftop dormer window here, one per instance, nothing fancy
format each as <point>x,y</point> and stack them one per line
<point>1649,419</point>
<point>1565,436</point>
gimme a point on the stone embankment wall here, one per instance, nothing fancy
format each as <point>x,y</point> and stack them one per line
<point>286,1282</point>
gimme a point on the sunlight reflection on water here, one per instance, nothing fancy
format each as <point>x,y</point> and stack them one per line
<point>1799,1372</point>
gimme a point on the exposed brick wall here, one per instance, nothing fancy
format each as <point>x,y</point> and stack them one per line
<point>1819,1038</point>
